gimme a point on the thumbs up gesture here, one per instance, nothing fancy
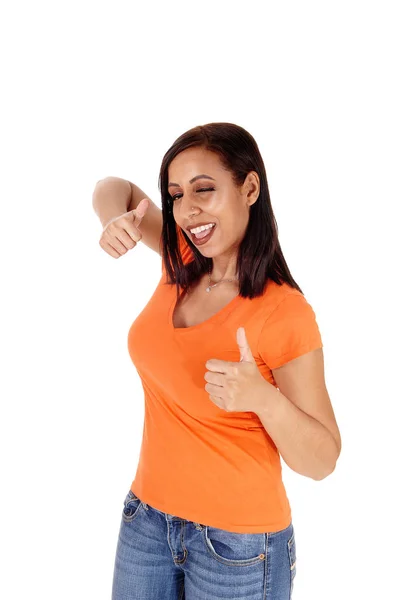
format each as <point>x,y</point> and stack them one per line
<point>236,386</point>
<point>123,232</point>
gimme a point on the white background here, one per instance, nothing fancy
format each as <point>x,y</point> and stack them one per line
<point>91,89</point>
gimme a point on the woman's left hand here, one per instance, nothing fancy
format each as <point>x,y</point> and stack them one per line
<point>236,386</point>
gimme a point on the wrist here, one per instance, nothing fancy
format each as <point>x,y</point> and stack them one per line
<point>268,400</point>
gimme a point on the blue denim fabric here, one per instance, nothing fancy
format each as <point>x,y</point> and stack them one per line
<point>163,557</point>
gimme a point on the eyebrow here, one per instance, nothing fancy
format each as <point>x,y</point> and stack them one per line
<point>193,179</point>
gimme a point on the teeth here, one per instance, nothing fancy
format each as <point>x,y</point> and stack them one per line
<point>198,229</point>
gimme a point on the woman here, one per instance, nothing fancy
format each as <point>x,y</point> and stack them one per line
<point>231,362</point>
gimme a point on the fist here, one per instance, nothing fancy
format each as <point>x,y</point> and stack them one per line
<point>123,232</point>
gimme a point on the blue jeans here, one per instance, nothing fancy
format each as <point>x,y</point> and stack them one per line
<point>163,557</point>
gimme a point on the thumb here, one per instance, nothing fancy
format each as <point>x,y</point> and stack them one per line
<point>245,351</point>
<point>140,211</point>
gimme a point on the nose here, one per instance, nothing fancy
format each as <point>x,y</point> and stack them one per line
<point>188,206</point>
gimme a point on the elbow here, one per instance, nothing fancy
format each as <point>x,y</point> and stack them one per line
<point>324,474</point>
<point>328,468</point>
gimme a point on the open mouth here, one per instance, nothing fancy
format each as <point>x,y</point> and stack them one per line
<point>198,241</point>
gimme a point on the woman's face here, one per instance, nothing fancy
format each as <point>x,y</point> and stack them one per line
<point>213,198</point>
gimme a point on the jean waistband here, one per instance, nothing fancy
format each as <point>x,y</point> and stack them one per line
<point>170,517</point>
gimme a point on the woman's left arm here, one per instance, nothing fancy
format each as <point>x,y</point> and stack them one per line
<point>299,416</point>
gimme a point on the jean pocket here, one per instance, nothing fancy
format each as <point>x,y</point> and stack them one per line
<point>292,555</point>
<point>131,507</point>
<point>232,548</point>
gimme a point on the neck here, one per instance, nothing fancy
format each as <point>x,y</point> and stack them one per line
<point>218,273</point>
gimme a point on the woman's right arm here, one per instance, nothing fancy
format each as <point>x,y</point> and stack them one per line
<point>113,197</point>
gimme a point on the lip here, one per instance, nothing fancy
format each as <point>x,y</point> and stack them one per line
<point>198,242</point>
<point>198,225</point>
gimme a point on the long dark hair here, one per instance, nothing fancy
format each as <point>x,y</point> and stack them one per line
<point>260,256</point>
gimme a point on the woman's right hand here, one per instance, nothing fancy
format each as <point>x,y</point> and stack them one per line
<point>122,233</point>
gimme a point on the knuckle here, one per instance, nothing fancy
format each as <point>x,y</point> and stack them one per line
<point>114,225</point>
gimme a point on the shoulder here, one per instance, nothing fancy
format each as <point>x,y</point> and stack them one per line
<point>289,305</point>
<point>279,299</point>
<point>185,250</point>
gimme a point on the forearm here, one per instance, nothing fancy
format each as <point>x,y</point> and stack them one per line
<point>305,444</point>
<point>111,198</point>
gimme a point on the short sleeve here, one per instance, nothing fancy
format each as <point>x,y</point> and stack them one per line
<point>290,331</point>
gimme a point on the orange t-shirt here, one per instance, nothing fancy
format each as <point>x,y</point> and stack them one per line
<point>198,461</point>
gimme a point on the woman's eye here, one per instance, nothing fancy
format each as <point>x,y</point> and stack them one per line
<point>200,190</point>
